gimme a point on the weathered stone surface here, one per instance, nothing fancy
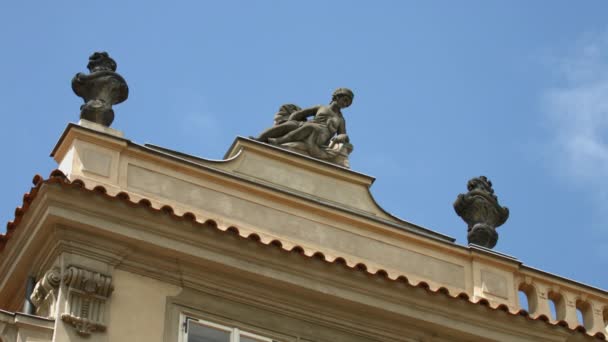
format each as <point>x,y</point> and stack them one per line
<point>87,293</point>
<point>479,208</point>
<point>100,89</point>
<point>44,295</point>
<point>323,137</point>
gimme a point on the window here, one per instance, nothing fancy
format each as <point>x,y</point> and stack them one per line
<point>197,330</point>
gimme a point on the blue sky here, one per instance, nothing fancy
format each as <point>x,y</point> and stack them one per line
<point>444,91</point>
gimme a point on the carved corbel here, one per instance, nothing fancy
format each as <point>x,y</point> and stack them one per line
<point>87,293</point>
<point>44,295</point>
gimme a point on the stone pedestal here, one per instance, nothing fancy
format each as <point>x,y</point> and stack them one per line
<point>100,128</point>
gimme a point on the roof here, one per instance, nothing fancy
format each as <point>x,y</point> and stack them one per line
<point>57,177</point>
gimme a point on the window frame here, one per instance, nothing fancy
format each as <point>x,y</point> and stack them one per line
<point>235,332</point>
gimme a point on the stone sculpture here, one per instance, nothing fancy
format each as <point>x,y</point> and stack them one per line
<point>479,208</point>
<point>44,296</point>
<point>100,89</point>
<point>87,294</point>
<point>323,137</point>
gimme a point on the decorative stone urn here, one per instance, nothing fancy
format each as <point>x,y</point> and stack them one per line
<point>100,89</point>
<point>479,208</point>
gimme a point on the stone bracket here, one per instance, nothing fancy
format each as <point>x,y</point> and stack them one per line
<point>87,293</point>
<point>44,295</point>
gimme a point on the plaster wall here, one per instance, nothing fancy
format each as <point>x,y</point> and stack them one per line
<point>307,231</point>
<point>270,215</point>
<point>239,282</point>
<point>137,311</point>
<point>277,195</point>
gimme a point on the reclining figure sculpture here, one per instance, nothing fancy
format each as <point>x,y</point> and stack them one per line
<point>323,137</point>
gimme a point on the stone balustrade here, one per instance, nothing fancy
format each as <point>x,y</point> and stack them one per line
<point>559,299</point>
<point>503,280</point>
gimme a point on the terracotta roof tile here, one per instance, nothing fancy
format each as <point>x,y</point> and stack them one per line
<point>57,177</point>
<point>503,307</point>
<point>543,318</point>
<point>463,296</point>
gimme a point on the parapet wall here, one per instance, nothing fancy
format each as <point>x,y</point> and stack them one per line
<point>319,208</point>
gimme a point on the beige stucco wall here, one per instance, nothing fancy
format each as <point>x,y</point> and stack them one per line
<point>137,308</point>
<point>276,195</point>
<point>249,192</point>
<point>162,265</point>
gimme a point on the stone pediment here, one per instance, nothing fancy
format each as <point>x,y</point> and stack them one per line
<point>300,175</point>
<point>99,153</point>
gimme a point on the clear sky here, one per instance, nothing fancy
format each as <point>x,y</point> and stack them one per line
<point>444,91</point>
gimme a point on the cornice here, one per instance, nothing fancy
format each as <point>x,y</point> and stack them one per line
<point>227,248</point>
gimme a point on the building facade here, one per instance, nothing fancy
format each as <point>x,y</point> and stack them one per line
<point>129,242</point>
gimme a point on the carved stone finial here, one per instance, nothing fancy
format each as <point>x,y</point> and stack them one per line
<point>87,293</point>
<point>479,208</point>
<point>323,136</point>
<point>100,89</point>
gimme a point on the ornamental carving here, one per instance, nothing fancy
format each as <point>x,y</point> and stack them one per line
<point>87,293</point>
<point>100,89</point>
<point>44,295</point>
<point>323,136</point>
<point>479,208</point>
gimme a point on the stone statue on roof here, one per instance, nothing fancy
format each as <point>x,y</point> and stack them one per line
<point>323,136</point>
<point>100,89</point>
<point>480,209</point>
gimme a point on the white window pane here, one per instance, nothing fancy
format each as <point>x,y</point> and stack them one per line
<point>201,333</point>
